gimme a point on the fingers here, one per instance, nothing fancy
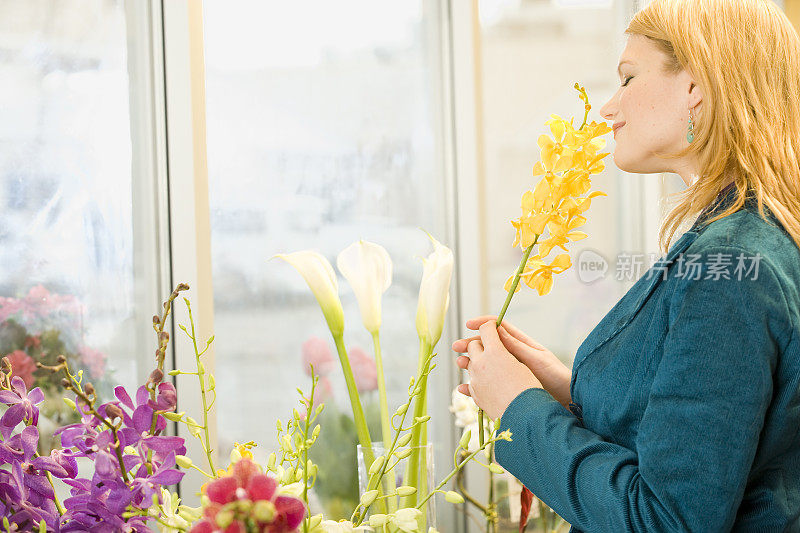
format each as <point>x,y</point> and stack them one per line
<point>464,389</point>
<point>460,345</point>
<point>475,323</point>
<point>475,349</point>
<point>519,349</point>
<point>462,361</point>
<point>518,334</point>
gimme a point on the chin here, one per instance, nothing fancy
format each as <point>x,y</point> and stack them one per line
<point>635,165</point>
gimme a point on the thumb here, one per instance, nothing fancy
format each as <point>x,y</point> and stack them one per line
<point>489,335</point>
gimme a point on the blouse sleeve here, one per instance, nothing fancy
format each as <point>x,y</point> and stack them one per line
<point>699,432</point>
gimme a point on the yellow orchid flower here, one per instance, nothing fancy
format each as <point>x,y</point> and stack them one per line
<point>533,263</point>
<point>556,152</point>
<point>529,226</point>
<point>561,232</point>
<point>541,279</point>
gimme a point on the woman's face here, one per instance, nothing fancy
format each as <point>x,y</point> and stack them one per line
<point>650,111</point>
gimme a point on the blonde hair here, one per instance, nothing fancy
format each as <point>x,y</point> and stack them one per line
<point>745,56</point>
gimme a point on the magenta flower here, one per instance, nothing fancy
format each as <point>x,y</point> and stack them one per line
<point>270,512</point>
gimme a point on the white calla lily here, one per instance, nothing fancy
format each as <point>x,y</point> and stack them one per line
<point>434,293</point>
<point>321,279</point>
<point>368,268</point>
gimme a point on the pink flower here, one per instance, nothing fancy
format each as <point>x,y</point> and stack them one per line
<point>364,371</point>
<point>316,352</point>
<point>266,510</point>
<point>22,365</point>
<point>94,360</point>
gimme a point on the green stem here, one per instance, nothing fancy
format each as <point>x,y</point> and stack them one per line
<point>201,374</point>
<point>450,476</point>
<point>490,517</point>
<point>414,460</point>
<point>517,274</point>
<point>386,429</point>
<point>309,410</point>
<point>60,508</point>
<point>362,431</point>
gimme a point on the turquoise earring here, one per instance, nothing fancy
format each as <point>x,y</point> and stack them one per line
<point>690,134</point>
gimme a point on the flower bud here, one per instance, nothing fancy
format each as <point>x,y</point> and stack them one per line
<point>316,431</point>
<point>368,497</point>
<point>183,461</point>
<point>453,497</point>
<point>89,389</point>
<point>271,461</point>
<point>402,454</point>
<point>404,440</point>
<point>422,419</point>
<point>464,442</point>
<point>113,411</point>
<point>70,403</point>
<point>156,376</point>
<point>401,410</point>
<point>174,417</point>
<point>236,456</point>
<point>61,359</point>
<point>314,521</point>
<point>378,520</point>
<point>376,465</point>
<point>495,468</point>
<point>405,490</point>
<point>264,511</point>
<point>224,518</point>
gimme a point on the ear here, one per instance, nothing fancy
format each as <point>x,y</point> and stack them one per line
<point>695,96</point>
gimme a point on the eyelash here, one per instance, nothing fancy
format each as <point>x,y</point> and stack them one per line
<point>627,80</point>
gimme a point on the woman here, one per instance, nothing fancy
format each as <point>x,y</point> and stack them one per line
<point>682,409</point>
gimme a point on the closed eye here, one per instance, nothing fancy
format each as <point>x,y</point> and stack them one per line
<point>627,80</point>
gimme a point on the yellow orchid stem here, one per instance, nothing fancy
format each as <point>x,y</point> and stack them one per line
<point>386,428</point>
<point>481,436</point>
<point>355,402</point>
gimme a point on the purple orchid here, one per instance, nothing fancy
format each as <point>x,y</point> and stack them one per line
<point>22,406</point>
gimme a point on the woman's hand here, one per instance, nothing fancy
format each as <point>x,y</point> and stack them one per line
<point>553,375</point>
<point>496,376</point>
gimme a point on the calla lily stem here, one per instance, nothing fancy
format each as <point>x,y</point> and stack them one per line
<point>355,401</point>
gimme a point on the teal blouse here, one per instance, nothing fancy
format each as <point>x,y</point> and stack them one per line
<point>686,407</point>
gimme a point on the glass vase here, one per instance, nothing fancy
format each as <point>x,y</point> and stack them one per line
<point>399,477</point>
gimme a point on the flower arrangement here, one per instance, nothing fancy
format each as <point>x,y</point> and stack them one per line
<point>131,461</point>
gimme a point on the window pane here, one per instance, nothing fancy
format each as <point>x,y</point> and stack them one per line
<point>66,236</point>
<point>550,48</point>
<point>322,130</point>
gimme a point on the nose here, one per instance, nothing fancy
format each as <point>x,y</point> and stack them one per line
<point>609,109</point>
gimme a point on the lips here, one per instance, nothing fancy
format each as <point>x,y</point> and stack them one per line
<point>617,126</point>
